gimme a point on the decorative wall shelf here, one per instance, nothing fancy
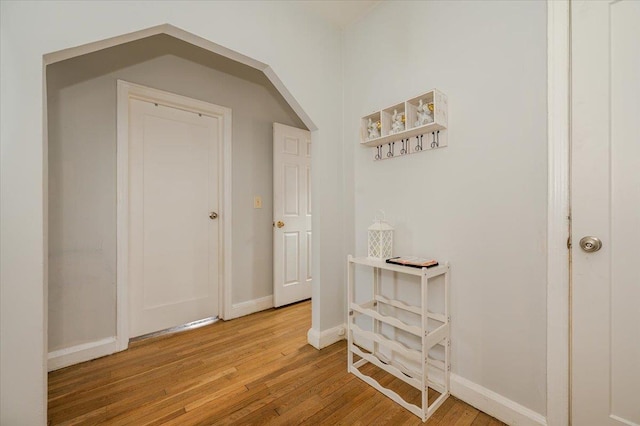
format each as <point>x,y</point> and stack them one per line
<point>416,125</point>
<point>427,371</point>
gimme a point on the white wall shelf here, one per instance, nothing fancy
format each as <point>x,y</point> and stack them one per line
<point>434,329</point>
<point>414,134</point>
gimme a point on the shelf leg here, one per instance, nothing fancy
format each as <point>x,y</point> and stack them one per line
<point>377,275</point>
<point>424,284</point>
<point>350,316</point>
<point>447,348</point>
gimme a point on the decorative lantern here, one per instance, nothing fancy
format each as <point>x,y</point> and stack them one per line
<point>380,239</point>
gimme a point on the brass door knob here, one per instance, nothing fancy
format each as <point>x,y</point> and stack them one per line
<point>590,244</point>
<point>280,224</point>
<point>213,215</point>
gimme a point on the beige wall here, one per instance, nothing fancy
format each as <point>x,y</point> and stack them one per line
<point>302,50</point>
<point>82,173</point>
<point>481,202</point>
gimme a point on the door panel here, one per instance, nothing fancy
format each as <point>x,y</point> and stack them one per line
<point>606,204</point>
<point>291,191</point>
<point>309,266</point>
<point>625,211</point>
<point>292,258</point>
<point>173,242</point>
<point>292,207</point>
<point>308,191</point>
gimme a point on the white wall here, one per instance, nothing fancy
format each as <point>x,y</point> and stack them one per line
<point>479,203</point>
<point>81,98</point>
<point>303,51</point>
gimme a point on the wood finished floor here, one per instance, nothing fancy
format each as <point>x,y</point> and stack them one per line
<point>253,370</point>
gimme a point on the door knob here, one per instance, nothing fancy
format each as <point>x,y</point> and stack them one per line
<point>280,224</point>
<point>213,215</point>
<point>590,244</point>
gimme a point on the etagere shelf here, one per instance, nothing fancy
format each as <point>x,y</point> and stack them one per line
<point>416,125</point>
<point>433,329</point>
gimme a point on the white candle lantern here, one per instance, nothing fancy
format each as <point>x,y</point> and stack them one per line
<point>380,240</point>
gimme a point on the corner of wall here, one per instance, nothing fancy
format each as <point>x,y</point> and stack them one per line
<point>81,353</point>
<point>250,307</point>
<point>322,339</point>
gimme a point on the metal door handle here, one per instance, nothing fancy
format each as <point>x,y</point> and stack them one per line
<point>590,244</point>
<point>280,224</point>
<point>213,215</point>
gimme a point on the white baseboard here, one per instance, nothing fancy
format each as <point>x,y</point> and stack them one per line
<point>92,350</point>
<point>250,307</point>
<point>322,339</point>
<point>494,404</point>
<point>81,353</point>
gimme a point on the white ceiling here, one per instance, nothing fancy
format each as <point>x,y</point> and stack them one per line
<point>340,12</point>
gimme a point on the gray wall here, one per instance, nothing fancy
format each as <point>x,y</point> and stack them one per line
<point>82,172</point>
<point>480,203</point>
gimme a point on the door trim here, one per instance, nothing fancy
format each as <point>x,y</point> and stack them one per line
<point>559,211</point>
<point>127,91</point>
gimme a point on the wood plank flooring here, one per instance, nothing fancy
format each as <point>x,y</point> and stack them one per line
<point>254,370</point>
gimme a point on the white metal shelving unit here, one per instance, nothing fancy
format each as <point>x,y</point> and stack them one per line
<point>429,335</point>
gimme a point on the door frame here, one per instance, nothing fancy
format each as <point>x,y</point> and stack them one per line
<point>558,211</point>
<point>125,92</point>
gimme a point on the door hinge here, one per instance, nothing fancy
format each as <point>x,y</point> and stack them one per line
<point>569,243</point>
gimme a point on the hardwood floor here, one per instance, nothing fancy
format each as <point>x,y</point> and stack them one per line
<point>253,370</point>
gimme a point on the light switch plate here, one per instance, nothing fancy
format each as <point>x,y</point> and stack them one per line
<point>257,202</point>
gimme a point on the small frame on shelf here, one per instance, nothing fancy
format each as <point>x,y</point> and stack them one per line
<point>420,110</point>
<point>428,108</point>
<point>393,120</point>
<point>371,128</point>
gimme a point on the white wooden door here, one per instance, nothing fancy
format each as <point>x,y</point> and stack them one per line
<point>291,214</point>
<point>606,204</point>
<point>173,243</point>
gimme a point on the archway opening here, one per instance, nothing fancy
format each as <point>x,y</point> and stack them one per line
<point>82,174</point>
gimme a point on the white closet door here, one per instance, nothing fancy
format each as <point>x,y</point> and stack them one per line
<point>606,204</point>
<point>173,243</point>
<point>291,214</point>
